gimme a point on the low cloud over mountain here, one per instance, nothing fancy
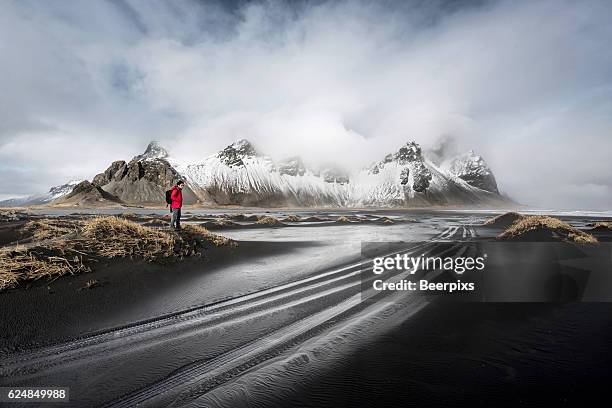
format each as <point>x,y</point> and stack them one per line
<point>526,83</point>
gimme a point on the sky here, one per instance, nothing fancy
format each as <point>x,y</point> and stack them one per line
<point>526,84</point>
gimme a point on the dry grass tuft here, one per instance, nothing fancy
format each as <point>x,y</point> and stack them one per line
<point>242,217</point>
<point>386,220</point>
<point>343,219</point>
<point>48,228</point>
<point>12,215</point>
<point>21,264</point>
<point>156,222</point>
<point>316,219</point>
<point>267,220</point>
<point>292,218</point>
<point>543,223</point>
<point>102,237</point>
<point>224,222</point>
<point>113,237</point>
<point>582,239</point>
<point>602,225</point>
<point>198,232</point>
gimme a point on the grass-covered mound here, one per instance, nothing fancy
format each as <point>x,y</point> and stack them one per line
<point>601,225</point>
<point>292,218</point>
<point>242,217</point>
<point>101,238</point>
<point>8,215</point>
<point>316,218</point>
<point>545,228</point>
<point>224,223</point>
<point>504,220</point>
<point>48,228</point>
<point>386,221</point>
<point>269,221</point>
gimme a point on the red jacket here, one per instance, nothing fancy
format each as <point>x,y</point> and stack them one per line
<point>177,197</point>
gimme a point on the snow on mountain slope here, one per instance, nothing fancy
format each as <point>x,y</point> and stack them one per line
<point>407,178</point>
<point>239,175</point>
<point>472,168</point>
<point>45,198</point>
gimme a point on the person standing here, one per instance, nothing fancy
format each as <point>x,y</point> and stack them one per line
<point>177,202</point>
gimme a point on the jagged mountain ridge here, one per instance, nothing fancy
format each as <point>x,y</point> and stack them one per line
<point>142,180</point>
<point>472,168</point>
<point>240,175</point>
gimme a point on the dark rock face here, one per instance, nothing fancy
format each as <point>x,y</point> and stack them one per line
<point>411,152</point>
<point>472,168</point>
<point>82,187</point>
<point>234,154</point>
<point>116,171</point>
<point>404,176</point>
<point>410,157</point>
<point>422,177</point>
<point>144,179</point>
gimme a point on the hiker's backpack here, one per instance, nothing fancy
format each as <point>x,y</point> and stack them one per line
<point>169,197</point>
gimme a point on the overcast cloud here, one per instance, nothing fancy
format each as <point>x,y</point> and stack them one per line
<point>527,84</point>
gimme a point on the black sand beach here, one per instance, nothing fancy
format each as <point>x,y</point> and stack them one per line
<point>278,320</point>
<point>469,355</point>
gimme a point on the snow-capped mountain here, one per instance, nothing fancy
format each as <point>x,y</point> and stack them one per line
<point>240,175</point>
<point>472,168</point>
<point>44,198</point>
<point>60,191</point>
<point>407,178</point>
<point>154,151</point>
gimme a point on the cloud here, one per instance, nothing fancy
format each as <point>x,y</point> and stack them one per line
<point>527,84</point>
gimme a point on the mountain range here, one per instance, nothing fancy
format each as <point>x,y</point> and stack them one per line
<point>241,175</point>
<point>43,198</point>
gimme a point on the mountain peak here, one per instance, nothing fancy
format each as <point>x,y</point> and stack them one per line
<point>154,151</point>
<point>411,151</point>
<point>241,143</point>
<point>234,154</point>
<point>472,168</point>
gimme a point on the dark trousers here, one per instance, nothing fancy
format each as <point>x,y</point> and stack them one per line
<point>175,222</point>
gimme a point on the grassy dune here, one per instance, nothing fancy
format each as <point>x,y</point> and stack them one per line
<point>78,245</point>
<point>542,226</point>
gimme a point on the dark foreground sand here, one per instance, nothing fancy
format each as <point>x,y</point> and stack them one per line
<point>473,355</point>
<point>432,351</point>
<point>47,312</point>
